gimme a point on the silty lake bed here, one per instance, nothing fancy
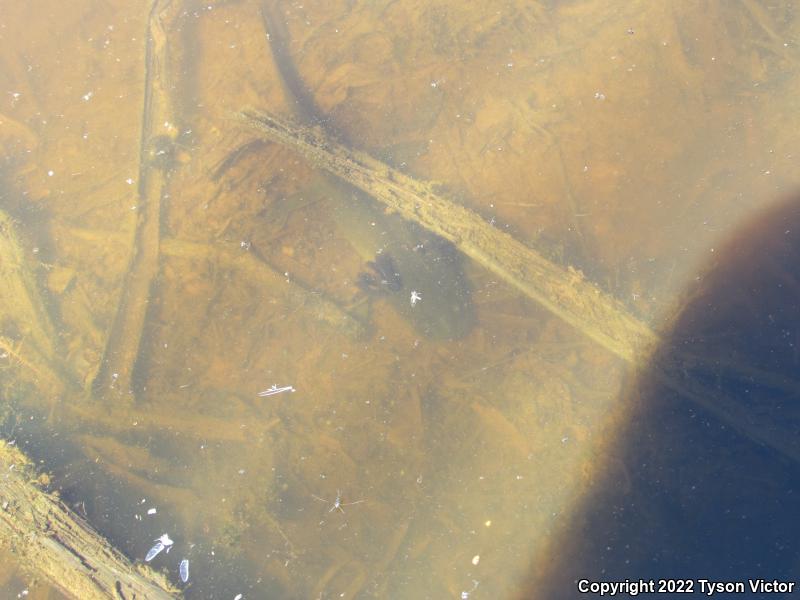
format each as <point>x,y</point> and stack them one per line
<point>165,266</point>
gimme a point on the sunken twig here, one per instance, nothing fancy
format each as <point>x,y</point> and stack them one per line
<point>157,133</point>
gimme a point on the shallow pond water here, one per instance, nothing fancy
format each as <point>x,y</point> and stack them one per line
<point>176,265</point>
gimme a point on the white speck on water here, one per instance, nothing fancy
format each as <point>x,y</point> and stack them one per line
<point>151,511</point>
<point>599,96</point>
<point>50,173</point>
<point>129,181</point>
<point>465,595</point>
<point>88,96</point>
<point>476,559</point>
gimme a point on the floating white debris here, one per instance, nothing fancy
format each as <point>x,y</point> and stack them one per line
<point>238,597</point>
<point>151,511</point>
<point>276,390</point>
<point>183,570</point>
<point>415,297</point>
<point>476,559</point>
<point>154,551</point>
<point>162,543</point>
<point>465,595</point>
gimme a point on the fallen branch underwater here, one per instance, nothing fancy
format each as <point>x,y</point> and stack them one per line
<point>52,542</point>
<point>125,337</point>
<point>564,292</point>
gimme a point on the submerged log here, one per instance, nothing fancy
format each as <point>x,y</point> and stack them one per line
<point>53,543</point>
<point>564,292</point>
<point>156,149</point>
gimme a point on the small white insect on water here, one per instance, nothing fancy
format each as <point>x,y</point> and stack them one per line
<point>337,504</point>
<point>183,570</point>
<point>162,543</point>
<point>415,297</point>
<point>275,390</point>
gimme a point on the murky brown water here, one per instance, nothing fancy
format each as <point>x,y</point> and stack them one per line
<point>179,278</point>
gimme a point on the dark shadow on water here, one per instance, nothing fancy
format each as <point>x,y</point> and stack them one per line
<point>691,497</point>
